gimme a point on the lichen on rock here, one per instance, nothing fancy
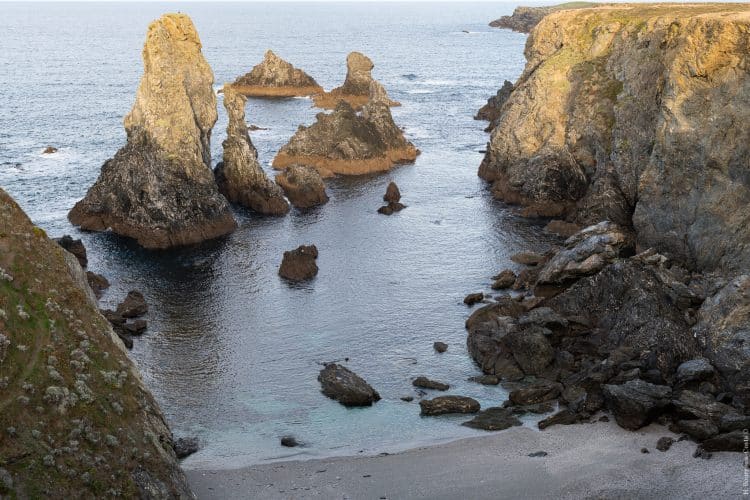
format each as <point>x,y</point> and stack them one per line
<point>356,87</point>
<point>275,77</point>
<point>159,189</point>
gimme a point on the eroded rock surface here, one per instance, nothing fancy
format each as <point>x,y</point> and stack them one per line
<point>275,77</point>
<point>303,186</point>
<point>356,87</point>
<point>491,111</point>
<point>524,19</point>
<point>299,264</point>
<point>159,189</point>
<point>346,387</point>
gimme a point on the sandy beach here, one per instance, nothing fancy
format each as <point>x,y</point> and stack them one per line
<point>597,460</point>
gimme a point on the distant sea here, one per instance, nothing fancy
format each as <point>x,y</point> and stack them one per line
<point>232,353</point>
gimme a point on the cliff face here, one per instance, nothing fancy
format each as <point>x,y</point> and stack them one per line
<point>76,419</point>
<point>159,189</point>
<point>635,114</point>
<point>524,19</point>
<point>274,77</point>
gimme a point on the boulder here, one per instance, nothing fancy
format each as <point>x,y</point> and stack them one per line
<point>240,177</point>
<point>303,186</point>
<point>97,282</point>
<point>75,247</point>
<point>505,279</point>
<point>448,404</point>
<point>729,441</point>
<point>392,193</point>
<point>636,403</point>
<point>135,327</point>
<point>694,405</point>
<point>664,443</point>
<point>695,370</point>
<point>537,392</point>
<point>133,305</point>
<point>356,88</point>
<point>289,441</point>
<point>440,347</point>
<point>493,419</point>
<point>299,264</point>
<point>697,429</point>
<point>159,189</point>
<point>275,77</point>
<point>562,417</point>
<point>425,383</point>
<point>185,446</point>
<point>485,379</point>
<point>562,228</point>
<point>390,208</point>
<point>346,387</point>
<point>49,150</point>
<point>531,349</point>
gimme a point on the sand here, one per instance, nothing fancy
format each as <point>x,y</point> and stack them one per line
<point>597,460</point>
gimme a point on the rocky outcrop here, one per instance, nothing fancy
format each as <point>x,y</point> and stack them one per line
<point>346,387</point>
<point>77,419</point>
<point>524,19</point>
<point>491,111</point>
<point>240,177</point>
<point>392,196</point>
<point>299,264</point>
<point>75,247</point>
<point>274,77</point>
<point>628,114</point>
<point>158,189</point>
<point>444,405</point>
<point>348,143</point>
<point>356,87</point>
<point>303,186</point>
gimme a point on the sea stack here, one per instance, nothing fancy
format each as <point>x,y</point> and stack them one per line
<point>348,143</point>
<point>356,87</point>
<point>158,188</point>
<point>240,177</point>
<point>274,77</point>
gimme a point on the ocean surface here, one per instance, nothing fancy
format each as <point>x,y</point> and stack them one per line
<point>232,352</point>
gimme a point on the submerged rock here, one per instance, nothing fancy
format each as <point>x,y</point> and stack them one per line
<point>303,186</point>
<point>426,383</point>
<point>75,247</point>
<point>289,441</point>
<point>240,177</point>
<point>448,404</point>
<point>356,88</point>
<point>49,150</point>
<point>346,387</point>
<point>274,77</point>
<point>159,188</point>
<point>299,264</point>
<point>440,346</point>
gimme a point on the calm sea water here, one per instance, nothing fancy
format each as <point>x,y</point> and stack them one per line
<point>232,353</point>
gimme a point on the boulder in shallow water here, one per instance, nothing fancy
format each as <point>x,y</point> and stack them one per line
<point>440,346</point>
<point>185,446</point>
<point>49,150</point>
<point>299,264</point>
<point>448,404</point>
<point>133,305</point>
<point>392,193</point>
<point>426,383</point>
<point>346,387</point>
<point>473,298</point>
<point>303,186</point>
<point>275,77</point>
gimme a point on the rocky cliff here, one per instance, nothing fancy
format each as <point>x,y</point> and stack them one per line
<point>159,189</point>
<point>524,19</point>
<point>76,419</point>
<point>240,177</point>
<point>275,77</point>
<point>633,114</point>
<point>356,87</point>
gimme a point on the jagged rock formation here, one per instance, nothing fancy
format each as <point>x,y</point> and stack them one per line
<point>76,418</point>
<point>356,87</point>
<point>274,77</point>
<point>524,19</point>
<point>303,186</point>
<point>345,142</point>
<point>491,111</point>
<point>630,113</point>
<point>240,177</point>
<point>159,189</point>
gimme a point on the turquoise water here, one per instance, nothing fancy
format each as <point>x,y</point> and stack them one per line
<point>232,353</point>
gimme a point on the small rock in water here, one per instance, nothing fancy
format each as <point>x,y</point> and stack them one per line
<point>448,404</point>
<point>346,387</point>
<point>49,150</point>
<point>426,383</point>
<point>408,399</point>
<point>473,298</point>
<point>185,446</point>
<point>664,443</point>
<point>538,454</point>
<point>440,346</point>
<point>485,379</point>
<point>299,264</point>
<point>701,453</point>
<point>644,450</point>
<point>289,441</point>
<point>133,306</point>
<point>97,282</point>
<point>527,258</point>
<point>392,193</point>
<point>136,327</point>
<point>391,207</point>
<point>504,280</point>
<point>126,339</point>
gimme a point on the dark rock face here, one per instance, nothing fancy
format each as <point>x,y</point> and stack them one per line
<point>392,193</point>
<point>636,403</point>
<point>538,392</point>
<point>159,189</point>
<point>426,383</point>
<point>527,258</point>
<point>664,443</point>
<point>303,186</point>
<point>493,419</point>
<point>440,346</point>
<point>97,282</point>
<point>562,417</point>
<point>299,264</point>
<point>473,298</point>
<point>505,279</point>
<point>75,247</point>
<point>346,387</point>
<point>186,446</point>
<point>448,404</point>
<point>485,379</point>
<point>730,441</point>
<point>133,305</point>
<point>695,370</point>
<point>289,441</point>
<point>491,111</point>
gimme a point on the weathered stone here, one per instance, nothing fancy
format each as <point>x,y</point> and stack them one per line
<point>303,186</point>
<point>485,379</point>
<point>240,177</point>
<point>356,88</point>
<point>97,282</point>
<point>133,305</point>
<point>527,258</point>
<point>346,387</point>
<point>426,383</point>
<point>697,429</point>
<point>562,228</point>
<point>729,441</point>
<point>664,443</point>
<point>695,370</point>
<point>692,404</point>
<point>274,77</point>
<point>448,404</point>
<point>392,193</point>
<point>636,403</point>
<point>531,349</point>
<point>734,422</point>
<point>159,188</point>
<point>136,327</point>
<point>185,446</point>
<point>503,280</point>
<point>538,392</point>
<point>491,111</point>
<point>473,298</point>
<point>75,247</point>
<point>562,417</point>
<point>493,419</point>
<point>524,19</point>
<point>440,346</point>
<point>299,264</point>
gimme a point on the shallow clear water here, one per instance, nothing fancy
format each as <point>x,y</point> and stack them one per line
<point>232,352</point>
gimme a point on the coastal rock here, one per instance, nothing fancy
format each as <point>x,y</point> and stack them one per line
<point>562,417</point>
<point>303,186</point>
<point>628,123</point>
<point>75,247</point>
<point>49,150</point>
<point>473,298</point>
<point>344,142</point>
<point>538,392</point>
<point>440,347</point>
<point>527,258</point>
<point>346,387</point>
<point>694,405</point>
<point>448,404</point>
<point>425,383</point>
<point>78,386</point>
<point>392,193</point>
<point>664,443</point>
<point>240,177</point>
<point>299,264</point>
<point>289,441</point>
<point>695,370</point>
<point>185,446</point>
<point>356,88</point>
<point>491,111</point>
<point>274,77</point>
<point>159,188</point>
<point>697,429</point>
<point>97,282</point>
<point>504,280</point>
<point>493,419</point>
<point>730,441</point>
<point>636,403</point>
<point>485,379</point>
<point>390,208</point>
<point>524,19</point>
<point>562,228</point>
<point>133,305</point>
